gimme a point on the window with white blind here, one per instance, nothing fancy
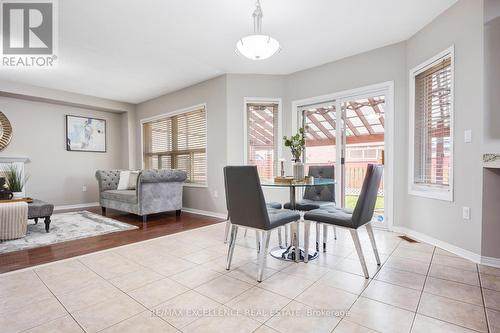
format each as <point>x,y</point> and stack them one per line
<point>262,137</point>
<point>178,141</point>
<point>431,141</point>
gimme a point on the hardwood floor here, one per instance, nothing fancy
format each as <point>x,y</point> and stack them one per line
<point>157,225</point>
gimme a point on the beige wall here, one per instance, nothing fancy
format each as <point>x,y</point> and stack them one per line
<point>57,175</point>
<point>492,85</point>
<point>462,26</point>
<point>213,93</point>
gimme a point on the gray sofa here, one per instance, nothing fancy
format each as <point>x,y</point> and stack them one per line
<point>156,191</point>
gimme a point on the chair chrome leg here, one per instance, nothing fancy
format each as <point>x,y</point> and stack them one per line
<point>232,242</point>
<point>325,236</point>
<point>226,231</point>
<point>357,244</point>
<point>257,240</point>
<point>266,235</point>
<point>334,233</point>
<point>318,226</point>
<point>296,242</point>
<point>280,238</point>
<point>307,231</point>
<point>369,229</point>
<point>287,235</point>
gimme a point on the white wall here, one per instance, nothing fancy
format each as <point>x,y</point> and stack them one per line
<point>492,82</point>
<point>213,93</point>
<point>57,175</point>
<point>461,25</point>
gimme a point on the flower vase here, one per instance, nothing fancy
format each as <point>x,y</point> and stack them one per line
<point>298,171</point>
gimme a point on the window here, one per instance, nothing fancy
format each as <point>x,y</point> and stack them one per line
<point>262,137</point>
<point>178,141</point>
<point>431,141</point>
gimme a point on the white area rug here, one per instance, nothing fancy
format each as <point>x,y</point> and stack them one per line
<point>64,227</point>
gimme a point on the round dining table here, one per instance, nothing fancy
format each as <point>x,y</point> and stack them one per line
<point>294,252</point>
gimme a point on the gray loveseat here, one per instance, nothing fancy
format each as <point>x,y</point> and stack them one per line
<point>156,191</point>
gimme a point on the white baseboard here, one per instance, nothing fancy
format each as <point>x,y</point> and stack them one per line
<point>204,212</point>
<point>77,206</point>
<point>474,257</point>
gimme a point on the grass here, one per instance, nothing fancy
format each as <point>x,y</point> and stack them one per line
<point>350,202</point>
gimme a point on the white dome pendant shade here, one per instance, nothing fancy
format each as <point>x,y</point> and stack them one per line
<point>257,46</point>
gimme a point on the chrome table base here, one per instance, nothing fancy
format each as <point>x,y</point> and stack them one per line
<point>289,253</point>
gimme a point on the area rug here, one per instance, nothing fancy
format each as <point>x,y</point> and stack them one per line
<point>64,227</point>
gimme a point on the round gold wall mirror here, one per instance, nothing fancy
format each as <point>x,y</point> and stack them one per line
<point>5,131</point>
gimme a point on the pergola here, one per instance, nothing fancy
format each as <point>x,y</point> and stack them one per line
<point>364,122</point>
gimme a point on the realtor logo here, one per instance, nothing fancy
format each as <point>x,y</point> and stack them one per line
<point>28,33</point>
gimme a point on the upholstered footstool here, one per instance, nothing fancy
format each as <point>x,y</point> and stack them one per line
<point>39,209</point>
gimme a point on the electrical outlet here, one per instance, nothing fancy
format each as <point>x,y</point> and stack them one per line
<point>466,213</point>
<point>84,188</point>
<point>216,194</point>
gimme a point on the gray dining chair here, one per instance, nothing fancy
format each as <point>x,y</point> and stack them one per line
<point>317,197</point>
<point>354,219</point>
<point>247,208</point>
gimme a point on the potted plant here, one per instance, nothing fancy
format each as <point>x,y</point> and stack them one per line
<point>15,180</point>
<point>297,144</point>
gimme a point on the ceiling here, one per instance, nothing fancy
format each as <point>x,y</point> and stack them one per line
<point>131,51</point>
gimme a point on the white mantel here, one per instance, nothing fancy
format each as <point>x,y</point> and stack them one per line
<point>14,159</point>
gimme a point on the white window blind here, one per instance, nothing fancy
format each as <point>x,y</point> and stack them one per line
<point>178,142</point>
<point>262,137</point>
<point>432,125</point>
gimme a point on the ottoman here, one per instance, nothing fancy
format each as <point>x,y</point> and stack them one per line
<point>39,209</point>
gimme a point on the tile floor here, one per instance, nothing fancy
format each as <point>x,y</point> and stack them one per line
<point>179,283</point>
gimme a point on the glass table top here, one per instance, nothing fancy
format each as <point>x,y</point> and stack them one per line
<point>314,182</point>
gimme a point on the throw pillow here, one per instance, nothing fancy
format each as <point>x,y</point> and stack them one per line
<point>123,183</point>
<point>132,181</point>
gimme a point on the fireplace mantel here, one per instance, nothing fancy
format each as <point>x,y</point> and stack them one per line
<point>12,159</point>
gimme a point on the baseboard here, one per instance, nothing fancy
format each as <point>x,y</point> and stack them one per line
<point>77,206</point>
<point>204,212</point>
<point>490,261</point>
<point>474,257</point>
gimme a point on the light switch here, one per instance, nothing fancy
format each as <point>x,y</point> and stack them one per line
<point>468,136</point>
<point>466,213</point>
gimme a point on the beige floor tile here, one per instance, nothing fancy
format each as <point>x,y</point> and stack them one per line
<point>310,272</point>
<point>455,262</point>
<point>491,299</point>
<point>61,325</point>
<point>458,291</point>
<point>327,260</point>
<point>490,281</point>
<point>380,317</point>
<point>157,292</point>
<point>493,320</point>
<point>167,266</point>
<point>354,267</point>
<point>202,256</point>
<point>91,294</point>
<point>144,322</point>
<point>394,295</point>
<point>195,276</point>
<point>321,296</point>
<point>32,315</point>
<point>454,274</point>
<point>16,295</point>
<point>258,304</point>
<point>424,324</point>
<point>300,318</point>
<point>452,311</point>
<point>408,265</point>
<point>219,264</point>
<point>223,288</point>
<point>223,321</point>
<point>445,253</point>
<point>275,264</point>
<point>136,279</point>
<point>345,281</point>
<point>286,285</point>
<point>108,313</point>
<point>404,252</point>
<point>423,247</point>
<point>248,273</point>
<point>401,278</point>
<point>489,270</point>
<point>112,269</point>
<point>265,329</point>
<point>346,326</point>
<point>185,308</point>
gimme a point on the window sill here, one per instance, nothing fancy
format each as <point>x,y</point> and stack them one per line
<point>431,193</point>
<point>195,185</point>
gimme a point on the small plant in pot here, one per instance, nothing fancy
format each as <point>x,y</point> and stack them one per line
<point>297,144</point>
<point>15,180</point>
